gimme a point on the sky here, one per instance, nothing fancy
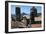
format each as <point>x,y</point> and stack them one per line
<point>25,9</point>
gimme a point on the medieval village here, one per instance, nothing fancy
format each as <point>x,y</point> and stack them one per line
<point>26,21</point>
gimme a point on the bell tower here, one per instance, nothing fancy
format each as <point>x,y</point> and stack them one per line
<point>33,13</point>
<point>18,14</point>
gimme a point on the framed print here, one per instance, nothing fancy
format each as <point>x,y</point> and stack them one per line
<point>24,16</point>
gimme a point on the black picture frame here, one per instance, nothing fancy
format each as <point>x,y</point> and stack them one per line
<point>6,16</point>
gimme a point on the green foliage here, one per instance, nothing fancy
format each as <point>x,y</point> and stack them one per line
<point>36,22</point>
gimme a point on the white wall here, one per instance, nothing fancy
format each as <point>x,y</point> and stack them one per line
<point>29,0</point>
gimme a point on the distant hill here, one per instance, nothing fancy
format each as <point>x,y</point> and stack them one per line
<point>38,14</point>
<point>23,14</point>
